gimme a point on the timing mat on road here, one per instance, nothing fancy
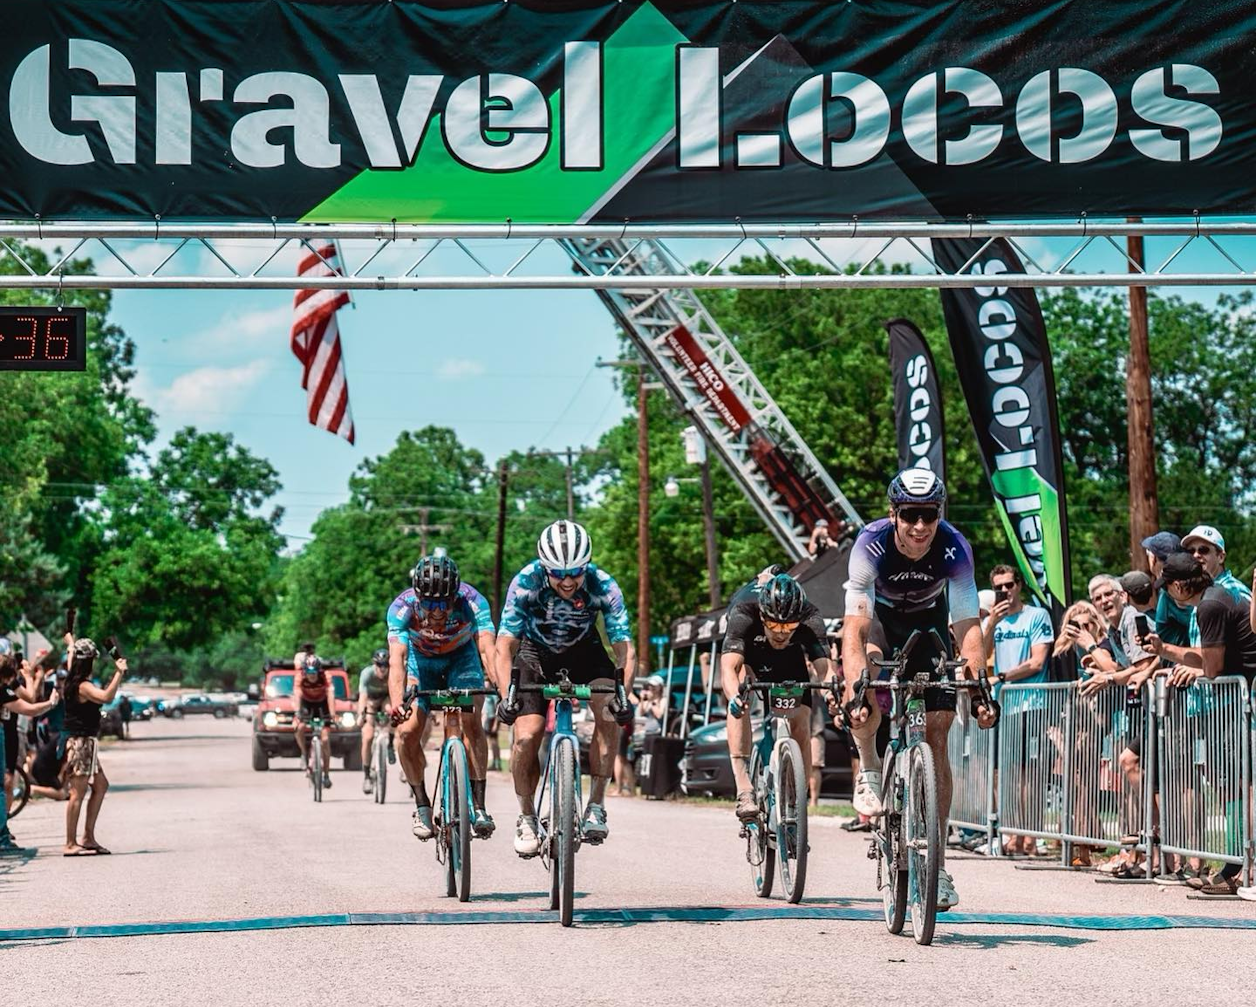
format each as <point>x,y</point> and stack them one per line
<point>620,917</point>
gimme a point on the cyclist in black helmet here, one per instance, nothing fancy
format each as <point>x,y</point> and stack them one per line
<point>774,631</point>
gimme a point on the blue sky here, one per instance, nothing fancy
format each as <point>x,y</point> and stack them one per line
<point>508,370</point>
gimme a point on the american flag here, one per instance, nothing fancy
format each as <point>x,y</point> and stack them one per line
<point>316,343</point>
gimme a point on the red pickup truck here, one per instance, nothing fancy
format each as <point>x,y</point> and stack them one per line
<point>273,736</point>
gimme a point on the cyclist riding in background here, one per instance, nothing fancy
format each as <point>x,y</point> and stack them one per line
<point>549,623</point>
<point>911,571</point>
<point>440,636</point>
<point>313,692</point>
<point>774,631</point>
<point>372,698</point>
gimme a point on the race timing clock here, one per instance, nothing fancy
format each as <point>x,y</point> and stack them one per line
<point>43,338</point>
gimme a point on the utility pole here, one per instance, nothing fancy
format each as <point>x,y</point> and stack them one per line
<point>571,457</point>
<point>422,528</point>
<point>499,557</point>
<point>1144,507</point>
<point>643,526</point>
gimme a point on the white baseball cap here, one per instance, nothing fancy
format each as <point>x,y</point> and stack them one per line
<point>1205,533</point>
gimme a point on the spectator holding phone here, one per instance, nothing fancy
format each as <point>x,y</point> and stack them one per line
<point>83,700</point>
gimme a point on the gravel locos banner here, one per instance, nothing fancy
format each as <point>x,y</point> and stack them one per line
<point>570,111</point>
<point>918,417</point>
<point>1000,345</point>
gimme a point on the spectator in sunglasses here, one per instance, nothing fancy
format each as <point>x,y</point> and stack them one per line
<point>1206,544</point>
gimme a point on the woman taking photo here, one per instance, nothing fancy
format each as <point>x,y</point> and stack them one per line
<point>83,700</point>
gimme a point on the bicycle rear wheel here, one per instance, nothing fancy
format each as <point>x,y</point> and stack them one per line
<point>458,822</point>
<point>791,819</point>
<point>888,837</point>
<point>759,850</point>
<point>316,763</point>
<point>381,767</point>
<point>924,843</point>
<point>19,791</point>
<point>564,834</point>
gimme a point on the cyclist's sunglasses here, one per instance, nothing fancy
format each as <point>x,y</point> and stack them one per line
<point>433,604</point>
<point>929,515</point>
<point>574,573</point>
<point>779,627</point>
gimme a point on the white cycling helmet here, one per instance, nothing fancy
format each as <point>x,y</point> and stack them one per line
<point>564,545</point>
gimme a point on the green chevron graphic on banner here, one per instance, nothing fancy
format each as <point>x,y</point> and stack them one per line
<point>1024,483</point>
<point>639,96</point>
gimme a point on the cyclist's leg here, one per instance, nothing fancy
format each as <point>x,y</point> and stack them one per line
<point>410,750</point>
<point>368,738</point>
<point>739,740</point>
<point>591,665</point>
<point>298,729</point>
<point>467,672</point>
<point>529,731</point>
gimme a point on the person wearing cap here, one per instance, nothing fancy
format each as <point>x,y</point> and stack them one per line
<point>821,541</point>
<point>1205,543</point>
<point>1173,622</point>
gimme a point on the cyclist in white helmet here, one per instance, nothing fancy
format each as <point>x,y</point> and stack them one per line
<point>549,621</point>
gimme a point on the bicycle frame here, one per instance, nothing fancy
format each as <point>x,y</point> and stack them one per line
<point>564,734</point>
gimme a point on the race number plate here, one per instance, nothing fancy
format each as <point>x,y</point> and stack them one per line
<point>784,703</point>
<point>916,716</point>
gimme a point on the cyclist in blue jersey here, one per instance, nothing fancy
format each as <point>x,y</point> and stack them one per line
<point>372,698</point>
<point>549,623</point>
<point>911,571</point>
<point>440,636</point>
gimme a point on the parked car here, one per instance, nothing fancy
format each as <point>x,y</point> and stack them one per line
<point>201,703</point>
<point>706,770</point>
<point>273,735</point>
<point>111,720</point>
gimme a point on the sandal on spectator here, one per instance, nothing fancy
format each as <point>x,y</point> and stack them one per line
<point>81,851</point>
<point>1128,872</point>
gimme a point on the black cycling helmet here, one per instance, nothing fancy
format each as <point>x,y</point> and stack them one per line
<point>436,578</point>
<point>782,599</point>
<point>380,657</point>
<point>916,486</point>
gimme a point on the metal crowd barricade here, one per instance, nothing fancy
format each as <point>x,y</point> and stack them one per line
<point>1205,769</point>
<point>1035,744</point>
<point>970,751</point>
<point>1106,807</point>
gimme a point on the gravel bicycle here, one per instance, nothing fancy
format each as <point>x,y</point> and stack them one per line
<point>315,767</point>
<point>452,820</point>
<point>559,830</point>
<point>907,837</point>
<point>380,745</point>
<point>777,837</point>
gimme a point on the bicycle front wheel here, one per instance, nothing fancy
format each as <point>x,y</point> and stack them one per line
<point>791,819</point>
<point>458,823</point>
<point>924,843</point>
<point>381,767</point>
<point>759,850</point>
<point>316,761</point>
<point>19,791</point>
<point>564,835</point>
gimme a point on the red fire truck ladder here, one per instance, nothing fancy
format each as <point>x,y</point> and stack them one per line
<point>706,375</point>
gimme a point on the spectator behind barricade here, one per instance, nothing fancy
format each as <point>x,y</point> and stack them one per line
<point>1222,643</point>
<point>820,541</point>
<point>1140,591</point>
<point>12,688</point>
<point>1108,596</point>
<point>1018,642</point>
<point>653,705</point>
<point>1173,622</point>
<point>83,701</point>
<point>1206,544</point>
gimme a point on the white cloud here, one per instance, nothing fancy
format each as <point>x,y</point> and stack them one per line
<point>208,390</point>
<point>457,368</point>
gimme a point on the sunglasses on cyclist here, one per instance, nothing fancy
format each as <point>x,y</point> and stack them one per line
<point>574,573</point>
<point>779,627</point>
<point>929,515</point>
<point>433,604</point>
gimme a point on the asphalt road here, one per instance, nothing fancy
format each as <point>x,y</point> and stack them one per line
<point>197,835</point>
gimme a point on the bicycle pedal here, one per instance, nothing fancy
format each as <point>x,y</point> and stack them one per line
<point>589,841</point>
<point>873,852</point>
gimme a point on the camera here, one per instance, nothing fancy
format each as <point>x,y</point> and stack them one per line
<point>111,646</point>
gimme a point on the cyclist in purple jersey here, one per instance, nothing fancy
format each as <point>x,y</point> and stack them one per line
<point>911,571</point>
<point>440,636</point>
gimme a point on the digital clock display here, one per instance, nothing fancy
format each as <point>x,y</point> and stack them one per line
<point>43,339</point>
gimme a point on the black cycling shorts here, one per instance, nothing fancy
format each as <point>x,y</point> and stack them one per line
<point>789,664</point>
<point>586,662</point>
<point>309,711</point>
<point>899,626</point>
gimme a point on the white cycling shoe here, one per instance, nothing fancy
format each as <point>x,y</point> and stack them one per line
<point>527,842</point>
<point>867,799</point>
<point>948,898</point>
<point>422,827</point>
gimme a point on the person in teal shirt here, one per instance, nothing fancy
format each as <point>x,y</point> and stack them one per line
<point>1173,621</point>
<point>1205,543</point>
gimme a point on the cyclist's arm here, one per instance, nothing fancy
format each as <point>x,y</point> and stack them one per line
<point>507,648</point>
<point>971,647</point>
<point>854,649</point>
<point>396,672</point>
<point>486,644</point>
<point>626,658</point>
<point>731,664</point>
<point>362,693</point>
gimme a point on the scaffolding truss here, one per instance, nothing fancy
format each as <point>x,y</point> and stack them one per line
<point>849,255</point>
